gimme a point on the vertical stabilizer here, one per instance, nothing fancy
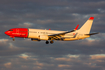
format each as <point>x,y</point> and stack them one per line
<point>85,29</point>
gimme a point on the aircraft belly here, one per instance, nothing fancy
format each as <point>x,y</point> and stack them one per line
<point>70,39</point>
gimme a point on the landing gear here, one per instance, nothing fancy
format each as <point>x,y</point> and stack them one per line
<point>51,42</point>
<point>47,42</point>
<point>13,39</point>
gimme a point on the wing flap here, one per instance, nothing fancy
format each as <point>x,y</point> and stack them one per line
<point>61,34</point>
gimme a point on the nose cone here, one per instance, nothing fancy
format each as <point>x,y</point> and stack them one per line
<point>6,32</point>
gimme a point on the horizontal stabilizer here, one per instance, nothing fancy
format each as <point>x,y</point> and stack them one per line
<point>92,34</point>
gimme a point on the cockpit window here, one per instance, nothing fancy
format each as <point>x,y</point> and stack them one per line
<point>10,30</point>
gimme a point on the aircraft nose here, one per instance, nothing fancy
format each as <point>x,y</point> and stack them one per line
<point>6,32</point>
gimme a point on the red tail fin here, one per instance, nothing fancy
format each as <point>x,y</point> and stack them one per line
<point>91,18</point>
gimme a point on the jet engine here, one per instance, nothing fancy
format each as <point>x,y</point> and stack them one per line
<point>34,39</point>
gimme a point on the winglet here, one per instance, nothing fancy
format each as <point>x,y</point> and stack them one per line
<point>91,18</point>
<point>76,27</point>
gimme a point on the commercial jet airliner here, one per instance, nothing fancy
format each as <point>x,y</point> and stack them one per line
<point>51,35</point>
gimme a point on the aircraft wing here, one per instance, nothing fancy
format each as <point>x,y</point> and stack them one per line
<point>56,36</point>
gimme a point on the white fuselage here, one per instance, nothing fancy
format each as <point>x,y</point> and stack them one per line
<point>36,33</point>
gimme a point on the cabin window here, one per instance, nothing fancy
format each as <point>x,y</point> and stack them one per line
<point>10,30</point>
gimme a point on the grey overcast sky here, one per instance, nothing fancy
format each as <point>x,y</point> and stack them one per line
<point>24,54</point>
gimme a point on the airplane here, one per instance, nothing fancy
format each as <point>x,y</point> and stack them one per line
<point>50,35</point>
